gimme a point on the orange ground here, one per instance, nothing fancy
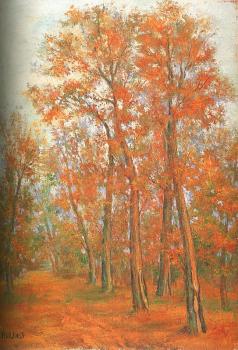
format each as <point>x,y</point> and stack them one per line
<point>56,313</point>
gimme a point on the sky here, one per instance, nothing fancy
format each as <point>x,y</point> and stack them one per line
<point>23,24</point>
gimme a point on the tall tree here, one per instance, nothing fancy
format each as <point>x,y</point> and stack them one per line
<point>214,212</point>
<point>97,45</point>
<point>177,58</point>
<point>20,155</point>
<point>80,174</point>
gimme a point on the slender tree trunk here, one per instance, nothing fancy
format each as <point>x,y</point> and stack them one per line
<point>88,248</point>
<point>138,286</point>
<point>51,249</point>
<point>82,229</point>
<point>107,226</point>
<point>164,283</point>
<point>91,261</point>
<point>194,305</point>
<point>52,262</point>
<point>192,286</point>
<point>223,282</point>
<point>9,274</point>
<point>164,280</point>
<point>92,268</point>
<point>9,279</point>
<point>57,262</point>
<point>223,292</point>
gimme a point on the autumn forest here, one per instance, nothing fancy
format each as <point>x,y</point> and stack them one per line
<point>119,204</point>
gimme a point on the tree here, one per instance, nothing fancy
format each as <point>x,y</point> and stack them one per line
<point>111,51</point>
<point>98,46</point>
<point>214,214</point>
<point>80,174</point>
<point>46,218</point>
<point>20,156</point>
<point>177,59</point>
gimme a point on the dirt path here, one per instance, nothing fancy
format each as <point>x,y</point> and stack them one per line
<point>56,313</point>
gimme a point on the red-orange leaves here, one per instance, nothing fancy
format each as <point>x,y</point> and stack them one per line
<point>53,113</point>
<point>123,95</point>
<point>114,38</point>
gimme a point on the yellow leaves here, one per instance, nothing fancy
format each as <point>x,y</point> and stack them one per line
<point>34,94</point>
<point>74,15</point>
<point>59,68</point>
<point>71,86</point>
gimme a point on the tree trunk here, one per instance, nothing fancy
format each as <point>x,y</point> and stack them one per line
<point>82,229</point>
<point>91,261</point>
<point>9,279</point>
<point>164,280</point>
<point>194,306</point>
<point>164,283</point>
<point>138,286</point>
<point>51,248</point>
<point>223,282</point>
<point>52,261</point>
<point>192,286</point>
<point>9,274</point>
<point>107,226</point>
<point>223,292</point>
<point>57,263</point>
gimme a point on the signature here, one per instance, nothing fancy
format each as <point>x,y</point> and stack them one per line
<point>9,334</point>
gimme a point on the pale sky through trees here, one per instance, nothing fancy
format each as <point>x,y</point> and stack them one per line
<point>23,24</point>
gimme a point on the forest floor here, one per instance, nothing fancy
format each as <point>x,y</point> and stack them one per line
<point>56,313</point>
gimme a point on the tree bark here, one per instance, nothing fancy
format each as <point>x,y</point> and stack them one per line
<point>107,284</point>
<point>82,229</point>
<point>57,262</point>
<point>91,260</point>
<point>164,280</point>
<point>9,279</point>
<point>138,286</point>
<point>192,286</point>
<point>52,260</point>
<point>51,249</point>
<point>223,282</point>
<point>9,274</point>
<point>106,261</point>
<point>223,292</point>
<point>88,246</point>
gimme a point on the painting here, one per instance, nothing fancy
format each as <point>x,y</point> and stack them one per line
<point>119,175</point>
